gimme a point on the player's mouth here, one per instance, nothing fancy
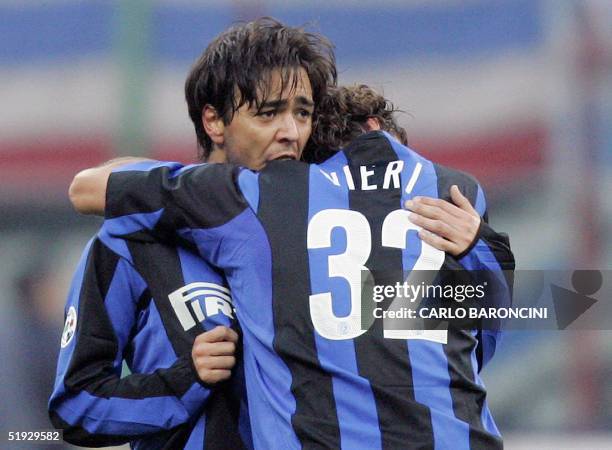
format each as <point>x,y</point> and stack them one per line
<point>285,156</point>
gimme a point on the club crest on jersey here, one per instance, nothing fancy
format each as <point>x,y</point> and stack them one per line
<point>69,326</point>
<point>187,302</point>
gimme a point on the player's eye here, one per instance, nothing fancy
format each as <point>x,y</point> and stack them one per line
<point>267,114</point>
<point>304,113</point>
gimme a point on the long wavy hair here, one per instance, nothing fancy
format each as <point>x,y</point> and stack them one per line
<point>341,117</point>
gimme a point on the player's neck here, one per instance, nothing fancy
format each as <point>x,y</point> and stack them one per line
<point>217,156</point>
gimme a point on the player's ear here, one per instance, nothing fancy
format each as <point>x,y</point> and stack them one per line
<point>213,125</point>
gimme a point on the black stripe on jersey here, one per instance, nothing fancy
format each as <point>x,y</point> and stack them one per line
<point>172,381</point>
<point>467,184</point>
<point>96,344</point>
<point>404,423</point>
<point>80,436</point>
<point>119,182</point>
<point>315,420</point>
<point>92,364</point>
<point>499,244</point>
<point>467,396</point>
<point>166,440</point>
<point>212,187</point>
<point>143,303</point>
<point>171,439</point>
<point>144,300</point>
<point>160,267</point>
<point>158,235</point>
<point>221,428</point>
<point>223,408</point>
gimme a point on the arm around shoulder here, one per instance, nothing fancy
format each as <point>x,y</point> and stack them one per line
<point>87,191</point>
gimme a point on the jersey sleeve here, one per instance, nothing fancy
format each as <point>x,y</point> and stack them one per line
<point>500,254</point>
<point>490,254</point>
<point>490,250</point>
<point>90,401</point>
<point>173,203</point>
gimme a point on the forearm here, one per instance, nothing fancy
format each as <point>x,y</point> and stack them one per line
<point>90,400</point>
<point>489,251</point>
<point>87,190</point>
<point>492,261</point>
<point>106,406</point>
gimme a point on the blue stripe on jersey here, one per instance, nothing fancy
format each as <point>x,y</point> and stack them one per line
<point>115,244</point>
<point>122,225</point>
<point>244,426</point>
<point>73,300</point>
<point>196,438</point>
<point>193,398</point>
<point>485,416</point>
<point>148,165</point>
<point>431,389</point>
<point>430,376</point>
<point>153,349</point>
<point>140,415</point>
<point>482,258</point>
<point>355,405</point>
<point>271,403</point>
<point>249,186</point>
<point>123,311</point>
<point>196,270</point>
<point>484,261</point>
<point>489,340</point>
<point>181,170</point>
<point>424,182</point>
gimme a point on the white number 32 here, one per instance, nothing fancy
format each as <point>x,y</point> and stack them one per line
<point>350,264</point>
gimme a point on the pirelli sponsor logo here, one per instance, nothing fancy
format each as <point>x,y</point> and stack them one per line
<point>196,301</point>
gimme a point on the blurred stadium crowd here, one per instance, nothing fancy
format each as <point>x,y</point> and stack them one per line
<point>516,92</point>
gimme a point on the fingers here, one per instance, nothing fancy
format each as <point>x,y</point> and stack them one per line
<point>213,348</point>
<point>213,354</point>
<point>439,227</point>
<point>461,200</point>
<point>464,219</point>
<point>442,236</point>
<point>445,226</point>
<point>433,207</point>
<point>438,242</point>
<point>220,341</point>
<point>435,218</point>
<point>214,376</point>
<point>215,362</point>
<point>463,205</point>
<point>218,334</point>
<point>212,369</point>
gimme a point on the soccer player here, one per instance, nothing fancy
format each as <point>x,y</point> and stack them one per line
<point>294,241</point>
<point>451,227</point>
<point>148,303</point>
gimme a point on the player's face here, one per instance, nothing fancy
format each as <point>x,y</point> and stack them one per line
<point>278,130</point>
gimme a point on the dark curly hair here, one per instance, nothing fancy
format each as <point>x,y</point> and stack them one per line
<point>341,117</point>
<point>235,69</point>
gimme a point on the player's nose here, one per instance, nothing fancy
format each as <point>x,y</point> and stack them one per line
<point>288,129</point>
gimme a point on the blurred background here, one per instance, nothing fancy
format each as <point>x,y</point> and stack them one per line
<point>517,92</point>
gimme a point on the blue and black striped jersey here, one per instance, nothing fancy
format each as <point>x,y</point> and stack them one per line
<point>294,241</point>
<point>144,303</point>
